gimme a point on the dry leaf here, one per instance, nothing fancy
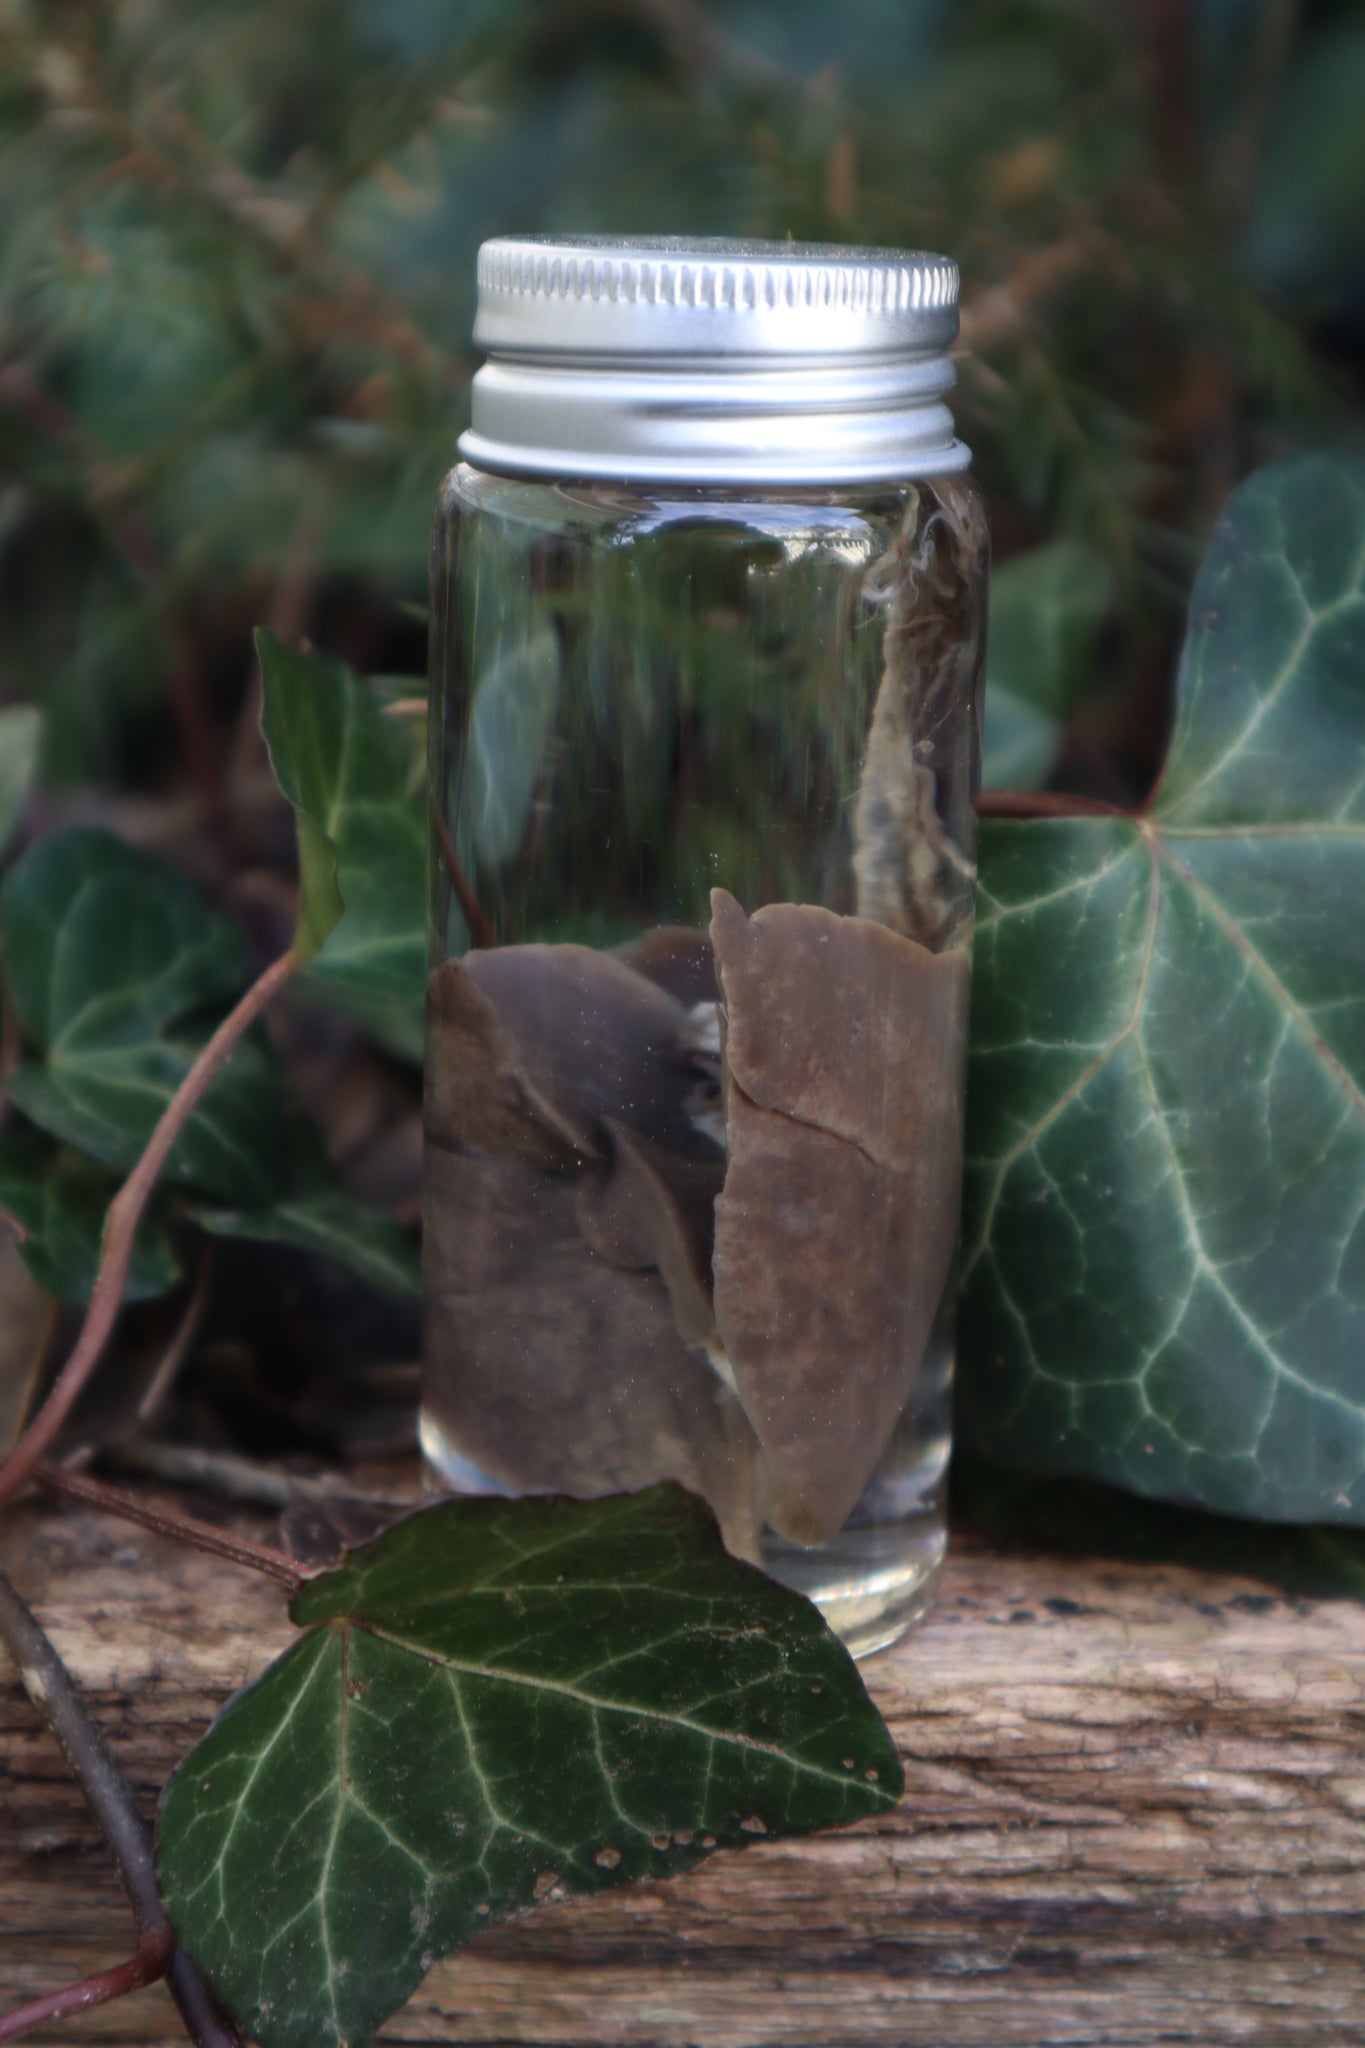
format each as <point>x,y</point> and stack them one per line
<point>836,1225</point>
<point>556,1370</point>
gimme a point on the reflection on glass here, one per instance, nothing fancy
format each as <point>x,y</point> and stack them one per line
<point>701,898</point>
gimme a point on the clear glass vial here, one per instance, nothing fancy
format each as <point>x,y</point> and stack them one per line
<point>708,603</point>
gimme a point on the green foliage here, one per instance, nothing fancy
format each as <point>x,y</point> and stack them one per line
<point>295,707</point>
<point>1160,1207</point>
<point>118,971</point>
<point>57,1199</point>
<point>113,963</point>
<point>314,1213</point>
<point>1084,1519</point>
<point>20,732</point>
<point>237,286</point>
<point>1047,609</point>
<point>1149,1262</point>
<point>236,289</point>
<point>355,778</point>
<point>1306,237</point>
<point>1165,1148</point>
<point>1164,1268</point>
<point>494,1703</point>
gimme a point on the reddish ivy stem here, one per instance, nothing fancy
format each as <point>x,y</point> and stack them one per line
<point>149,1961</point>
<point>50,1686</point>
<point>475,916</point>
<point>116,1500</point>
<point>1044,803</point>
<point>121,1225</point>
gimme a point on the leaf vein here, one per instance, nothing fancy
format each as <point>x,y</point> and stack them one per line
<point>461,1668</point>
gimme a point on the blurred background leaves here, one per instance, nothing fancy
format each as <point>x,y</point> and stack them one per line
<point>236,289</point>
<point>236,292</point>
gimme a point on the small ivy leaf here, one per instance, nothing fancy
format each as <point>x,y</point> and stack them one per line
<point>1164,1245</point>
<point>297,717</point>
<point>21,730</point>
<point>119,970</point>
<point>314,1212</point>
<point>400,1027</point>
<point>114,963</point>
<point>57,1201</point>
<point>354,778</point>
<point>1047,610</point>
<point>497,1702</point>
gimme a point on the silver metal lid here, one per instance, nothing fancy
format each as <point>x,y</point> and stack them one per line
<point>713,362</point>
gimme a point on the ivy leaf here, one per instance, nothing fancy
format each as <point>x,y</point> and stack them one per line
<point>57,1201</point>
<point>21,729</point>
<point>119,971</point>
<point>497,1702</point>
<point>1165,1238</point>
<point>1082,1518</point>
<point>315,1213</point>
<point>354,777</point>
<point>114,963</point>
<point>1047,609</point>
<point>1306,238</point>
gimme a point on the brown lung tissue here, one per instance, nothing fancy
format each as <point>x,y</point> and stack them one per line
<point>836,1224</point>
<point>911,873</point>
<point>691,1207</point>
<point>570,1206</point>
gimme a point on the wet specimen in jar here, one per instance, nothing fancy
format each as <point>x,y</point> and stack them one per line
<point>694,1120</point>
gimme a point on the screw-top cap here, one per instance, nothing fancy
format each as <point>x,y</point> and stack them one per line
<point>727,362</point>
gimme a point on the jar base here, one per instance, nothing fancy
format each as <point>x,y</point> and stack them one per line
<point>871,1583</point>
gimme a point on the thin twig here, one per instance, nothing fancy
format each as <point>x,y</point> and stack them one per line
<point>480,930</point>
<point>173,1357</point>
<point>223,1475</point>
<point>228,1476</point>
<point>120,1229</point>
<point>164,1521</point>
<point>149,1961</point>
<point>49,1685</point>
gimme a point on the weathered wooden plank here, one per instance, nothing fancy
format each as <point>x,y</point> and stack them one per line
<point>1136,1814</point>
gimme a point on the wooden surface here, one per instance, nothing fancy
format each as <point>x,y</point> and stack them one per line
<point>1135,1814</point>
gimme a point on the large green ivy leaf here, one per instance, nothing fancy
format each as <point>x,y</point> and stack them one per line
<point>118,970</point>
<point>498,1702</point>
<point>355,779</point>
<point>57,1200</point>
<point>1047,609</point>
<point>1165,1236</point>
<point>1082,1518</point>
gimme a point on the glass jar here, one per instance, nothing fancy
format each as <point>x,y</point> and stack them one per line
<point>708,604</point>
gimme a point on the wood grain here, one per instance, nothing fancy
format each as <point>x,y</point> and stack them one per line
<point>1135,1815</point>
